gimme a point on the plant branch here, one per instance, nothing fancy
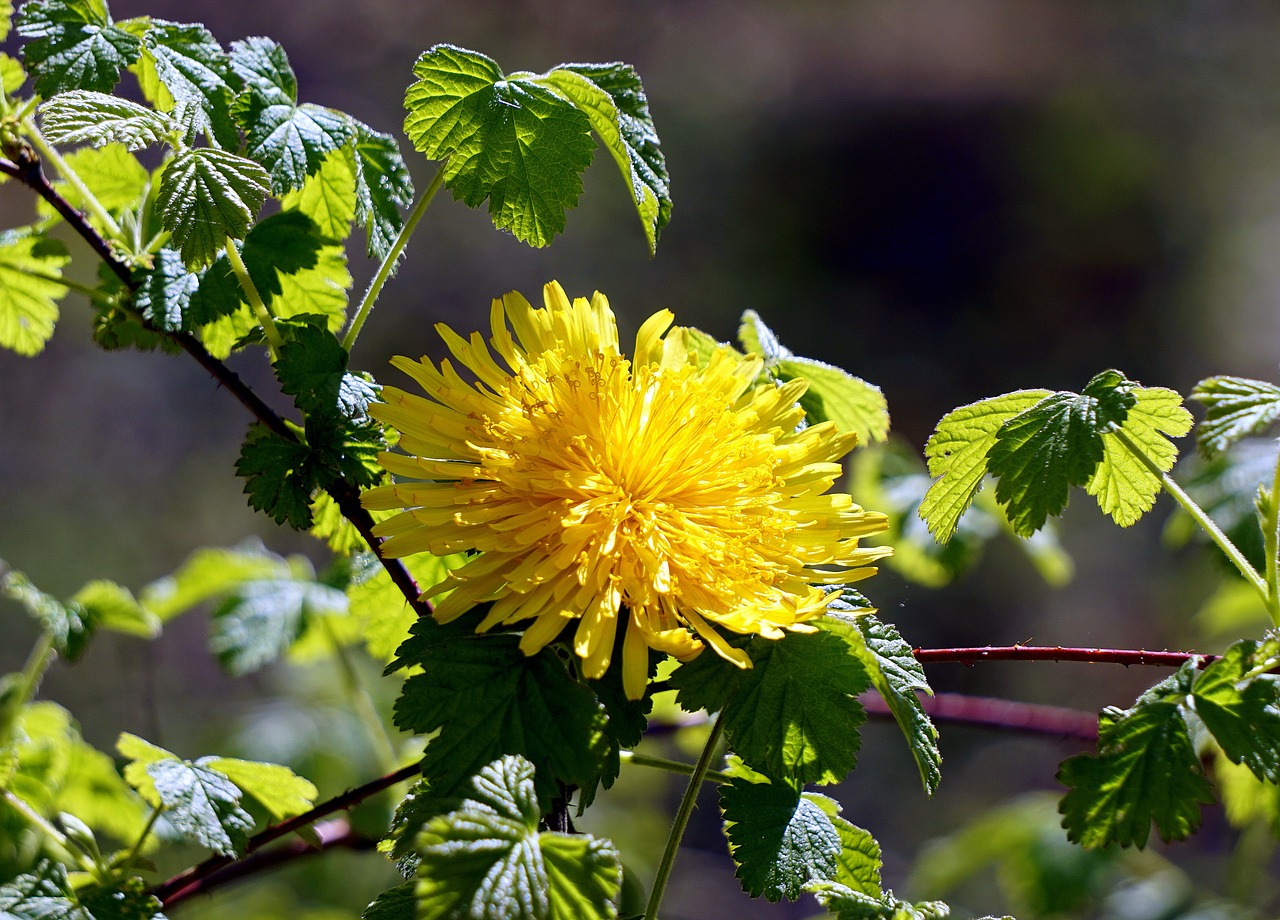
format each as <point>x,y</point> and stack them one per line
<point>332,835</point>
<point>1124,656</point>
<point>256,303</point>
<point>90,199</point>
<point>177,886</point>
<point>1006,715</point>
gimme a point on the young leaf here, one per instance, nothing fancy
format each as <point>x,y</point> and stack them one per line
<point>211,573</point>
<point>487,698</point>
<point>383,187</point>
<point>112,173</point>
<point>262,64</point>
<point>1236,407</point>
<point>1242,711</point>
<point>110,606</point>
<point>778,838</point>
<point>858,862</point>
<point>510,142</point>
<point>29,291</point>
<point>280,478</point>
<point>1146,770</point>
<point>42,894</point>
<point>257,622</point>
<point>12,76</point>
<point>207,195</point>
<point>195,72</point>
<point>612,97</point>
<point>328,196</point>
<point>67,624</point>
<point>794,714</point>
<point>849,904</point>
<point>279,790</point>
<point>1123,485</point>
<point>73,44</point>
<point>82,116</point>
<point>489,852</point>
<point>957,453</point>
<point>165,292</point>
<point>202,805</point>
<point>6,17</point>
<point>897,676</point>
<point>290,141</point>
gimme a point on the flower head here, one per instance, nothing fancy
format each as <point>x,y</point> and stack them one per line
<point>662,495</point>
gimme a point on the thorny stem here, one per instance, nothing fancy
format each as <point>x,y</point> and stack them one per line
<point>256,303</point>
<point>1125,656</point>
<point>389,263</point>
<point>683,813</point>
<point>1206,524</point>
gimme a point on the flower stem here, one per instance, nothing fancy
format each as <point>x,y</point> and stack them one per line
<point>48,153</point>
<point>389,263</point>
<point>1206,523</point>
<point>683,813</point>
<point>259,307</point>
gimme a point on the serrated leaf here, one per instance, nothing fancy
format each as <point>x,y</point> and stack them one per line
<point>612,97</point>
<point>398,903</point>
<point>195,72</point>
<point>1123,485</point>
<point>277,788</point>
<point>1146,770</point>
<point>73,44</point>
<point>210,573</point>
<point>165,293</point>
<point>206,196</point>
<point>279,477</point>
<point>28,295</point>
<point>837,396</point>
<point>383,187</point>
<point>42,894</point>
<point>262,64</point>
<point>67,625</point>
<point>778,838</point>
<point>793,715</point>
<point>328,196</point>
<point>81,116</point>
<point>957,453</point>
<point>141,754</point>
<point>112,173</point>
<point>488,859</point>
<point>290,141</point>
<point>202,805</point>
<point>848,904</point>
<point>111,606</point>
<point>1236,407</point>
<point>858,862</point>
<point>898,677</point>
<point>487,698</point>
<point>382,609</point>
<point>507,141</point>
<point>126,899</point>
<point>1242,711</point>
<point>6,18</point>
<point>255,624</point>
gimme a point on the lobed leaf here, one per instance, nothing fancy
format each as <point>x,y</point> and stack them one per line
<point>73,44</point>
<point>202,805</point>
<point>30,265</point>
<point>794,714</point>
<point>279,478</point>
<point>112,173</point>
<point>210,573</point>
<point>779,838</point>
<point>262,64</point>
<point>1242,710</point>
<point>957,454</point>
<point>258,621</point>
<point>1122,484</point>
<point>207,196</point>
<point>1146,770</point>
<point>82,116</point>
<point>1236,408</point>
<point>613,99</point>
<point>111,606</point>
<point>196,74</point>
<point>290,141</point>
<point>848,904</point>
<point>277,788</point>
<point>165,293</point>
<point>858,862</point>
<point>383,187</point>
<point>837,396</point>
<point>328,196</point>
<point>42,894</point>
<point>508,141</point>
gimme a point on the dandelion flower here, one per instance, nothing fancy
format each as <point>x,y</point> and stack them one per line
<point>665,496</point>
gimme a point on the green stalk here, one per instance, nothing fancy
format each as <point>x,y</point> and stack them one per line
<point>42,655</point>
<point>1206,523</point>
<point>45,827</point>
<point>260,311</point>
<point>48,153</point>
<point>389,263</point>
<point>136,850</point>
<point>1271,547</point>
<point>92,293</point>
<point>363,702</point>
<point>672,766</point>
<point>683,813</point>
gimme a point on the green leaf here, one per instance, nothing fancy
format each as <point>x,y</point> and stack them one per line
<point>1146,770</point>
<point>28,295</point>
<point>126,899</point>
<point>12,76</point>
<point>383,187</point>
<point>211,573</point>
<point>279,477</point>
<point>67,624</point>
<point>277,788</point>
<point>848,904</point>
<point>794,714</point>
<point>42,894</point>
<point>112,173</point>
<point>487,698</point>
<point>72,44</point>
<point>328,196</point>
<point>957,453</point>
<point>1241,710</point>
<point>488,858</point>
<point>897,676</point>
<point>82,116</point>
<point>262,64</point>
<point>612,97</point>
<point>858,862</point>
<point>202,805</point>
<point>508,141</point>
<point>378,604</point>
<point>141,754</point>
<point>6,18</point>
<point>778,838</point>
<point>398,903</point>
<point>1235,408</point>
<point>195,72</point>
<point>1124,487</point>
<point>110,606</point>
<point>206,196</point>
<point>165,293</point>
<point>257,622</point>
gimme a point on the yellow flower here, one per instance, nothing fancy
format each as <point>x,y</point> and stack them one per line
<point>659,494</point>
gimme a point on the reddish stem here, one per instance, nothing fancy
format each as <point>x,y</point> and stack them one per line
<point>1024,718</point>
<point>1122,656</point>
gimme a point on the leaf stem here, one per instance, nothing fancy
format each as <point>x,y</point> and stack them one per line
<point>683,813</point>
<point>42,655</point>
<point>43,824</point>
<point>389,263</point>
<point>136,850</point>
<point>1198,515</point>
<point>91,201</point>
<point>256,303</point>
<point>92,294</point>
<point>672,766</point>
<point>362,701</point>
<point>1271,547</point>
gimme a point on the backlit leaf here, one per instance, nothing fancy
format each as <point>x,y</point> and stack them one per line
<point>206,196</point>
<point>279,790</point>
<point>29,293</point>
<point>1123,485</point>
<point>1242,711</point>
<point>1236,407</point>
<point>202,805</point>
<point>383,188</point>
<point>81,116</point>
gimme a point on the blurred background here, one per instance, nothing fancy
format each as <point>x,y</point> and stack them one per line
<point>948,199</point>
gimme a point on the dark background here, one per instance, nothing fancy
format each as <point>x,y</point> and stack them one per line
<point>948,199</point>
